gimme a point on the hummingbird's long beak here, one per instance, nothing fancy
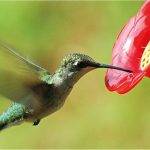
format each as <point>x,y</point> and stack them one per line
<point>98,65</point>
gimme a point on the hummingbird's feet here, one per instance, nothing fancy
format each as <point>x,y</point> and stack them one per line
<point>36,122</point>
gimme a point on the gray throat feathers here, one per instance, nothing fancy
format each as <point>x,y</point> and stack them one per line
<point>64,80</point>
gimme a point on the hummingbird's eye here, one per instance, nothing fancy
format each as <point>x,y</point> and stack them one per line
<point>81,64</point>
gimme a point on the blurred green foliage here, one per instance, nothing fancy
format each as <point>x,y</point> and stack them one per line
<point>92,117</point>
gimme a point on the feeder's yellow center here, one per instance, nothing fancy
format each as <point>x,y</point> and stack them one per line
<point>145,60</point>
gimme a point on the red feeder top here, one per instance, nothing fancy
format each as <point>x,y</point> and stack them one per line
<point>131,51</point>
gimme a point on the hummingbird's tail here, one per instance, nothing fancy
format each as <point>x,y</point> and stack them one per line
<point>2,125</point>
<point>13,116</point>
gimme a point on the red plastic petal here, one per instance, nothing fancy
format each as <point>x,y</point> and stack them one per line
<point>128,50</point>
<point>122,82</point>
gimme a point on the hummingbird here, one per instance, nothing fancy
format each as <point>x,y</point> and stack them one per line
<point>34,91</point>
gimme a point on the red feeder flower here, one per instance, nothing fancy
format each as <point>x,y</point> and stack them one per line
<point>131,51</point>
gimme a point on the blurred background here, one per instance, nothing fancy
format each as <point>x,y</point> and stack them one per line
<point>92,117</point>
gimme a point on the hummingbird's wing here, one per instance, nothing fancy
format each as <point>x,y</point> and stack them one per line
<point>18,74</point>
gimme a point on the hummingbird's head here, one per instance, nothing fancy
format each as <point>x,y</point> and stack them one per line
<point>77,62</point>
<point>75,65</point>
